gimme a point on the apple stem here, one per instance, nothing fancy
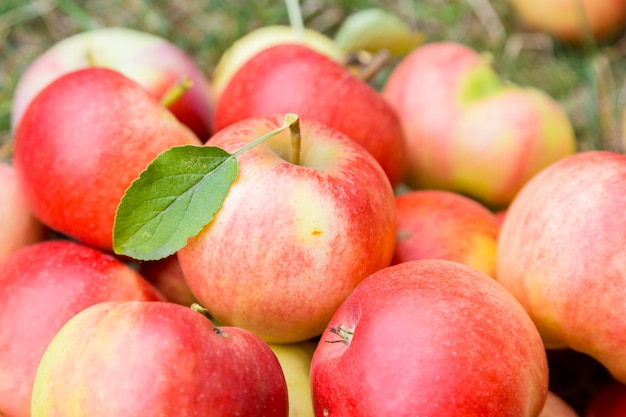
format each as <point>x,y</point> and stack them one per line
<point>296,138</point>
<point>199,309</point>
<point>295,17</point>
<point>290,119</point>
<point>344,332</point>
<point>176,91</point>
<point>373,67</point>
<point>91,58</point>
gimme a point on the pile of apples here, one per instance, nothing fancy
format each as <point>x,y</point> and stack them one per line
<point>413,250</point>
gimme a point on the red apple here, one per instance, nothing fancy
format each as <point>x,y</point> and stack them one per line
<point>156,359</point>
<point>562,254</point>
<point>555,406</point>
<point>167,276</point>
<point>291,240</point>
<point>81,142</point>
<point>608,401</point>
<point>18,226</point>
<point>434,224</point>
<point>153,62</point>
<point>429,338</point>
<point>573,21</point>
<point>297,79</point>
<point>41,287</point>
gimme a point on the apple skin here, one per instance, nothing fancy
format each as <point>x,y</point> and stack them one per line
<point>18,226</point>
<point>41,287</point>
<point>138,359</point>
<point>295,361</point>
<point>297,79</point>
<point>555,406</point>
<point>151,61</point>
<point>167,276</point>
<point>81,143</point>
<point>561,253</point>
<point>573,21</point>
<point>527,131</point>
<point>608,401</point>
<point>291,241</point>
<point>434,224</point>
<point>429,338</point>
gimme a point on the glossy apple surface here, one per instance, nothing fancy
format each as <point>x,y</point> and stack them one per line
<point>41,287</point>
<point>562,254</point>
<point>434,224</point>
<point>81,143</point>
<point>150,359</point>
<point>291,241</point>
<point>297,79</point>
<point>18,226</point>
<point>152,61</point>
<point>429,338</point>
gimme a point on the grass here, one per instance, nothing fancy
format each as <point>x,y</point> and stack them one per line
<point>588,82</point>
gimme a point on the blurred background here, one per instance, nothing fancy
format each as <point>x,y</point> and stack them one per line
<point>588,80</point>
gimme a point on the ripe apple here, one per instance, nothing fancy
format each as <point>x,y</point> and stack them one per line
<point>291,240</point>
<point>429,338</point>
<point>153,62</point>
<point>573,21</point>
<point>608,401</point>
<point>18,226</point>
<point>443,92</point>
<point>297,79</point>
<point>81,143</point>
<point>562,254</point>
<point>167,276</point>
<point>41,287</point>
<point>133,358</point>
<point>295,361</point>
<point>434,224</point>
<point>555,406</point>
<point>262,38</point>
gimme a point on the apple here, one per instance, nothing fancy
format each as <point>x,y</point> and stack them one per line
<point>608,401</point>
<point>18,226</point>
<point>443,92</point>
<point>296,79</point>
<point>429,338</point>
<point>166,275</point>
<point>81,142</point>
<point>262,38</point>
<point>435,224</point>
<point>573,21</point>
<point>134,358</point>
<point>291,240</point>
<point>153,62</point>
<point>562,254</point>
<point>295,361</point>
<point>41,287</point>
<point>555,406</point>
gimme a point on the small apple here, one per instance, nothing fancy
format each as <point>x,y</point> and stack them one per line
<point>297,79</point>
<point>608,401</point>
<point>555,406</point>
<point>81,143</point>
<point>429,338</point>
<point>293,238</point>
<point>18,226</point>
<point>166,275</point>
<point>295,361</point>
<point>573,21</point>
<point>41,287</point>
<point>151,61</point>
<point>156,359</point>
<point>434,224</point>
<point>262,38</point>
<point>562,254</point>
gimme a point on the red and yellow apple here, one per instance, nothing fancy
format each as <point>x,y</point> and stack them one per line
<point>42,286</point>
<point>562,254</point>
<point>435,224</point>
<point>291,240</point>
<point>429,338</point>
<point>134,358</point>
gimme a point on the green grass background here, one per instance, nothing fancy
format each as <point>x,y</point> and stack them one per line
<point>588,81</point>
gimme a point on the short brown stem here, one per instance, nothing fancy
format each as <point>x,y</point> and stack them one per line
<point>296,138</point>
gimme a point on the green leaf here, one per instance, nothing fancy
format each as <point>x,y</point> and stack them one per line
<point>172,200</point>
